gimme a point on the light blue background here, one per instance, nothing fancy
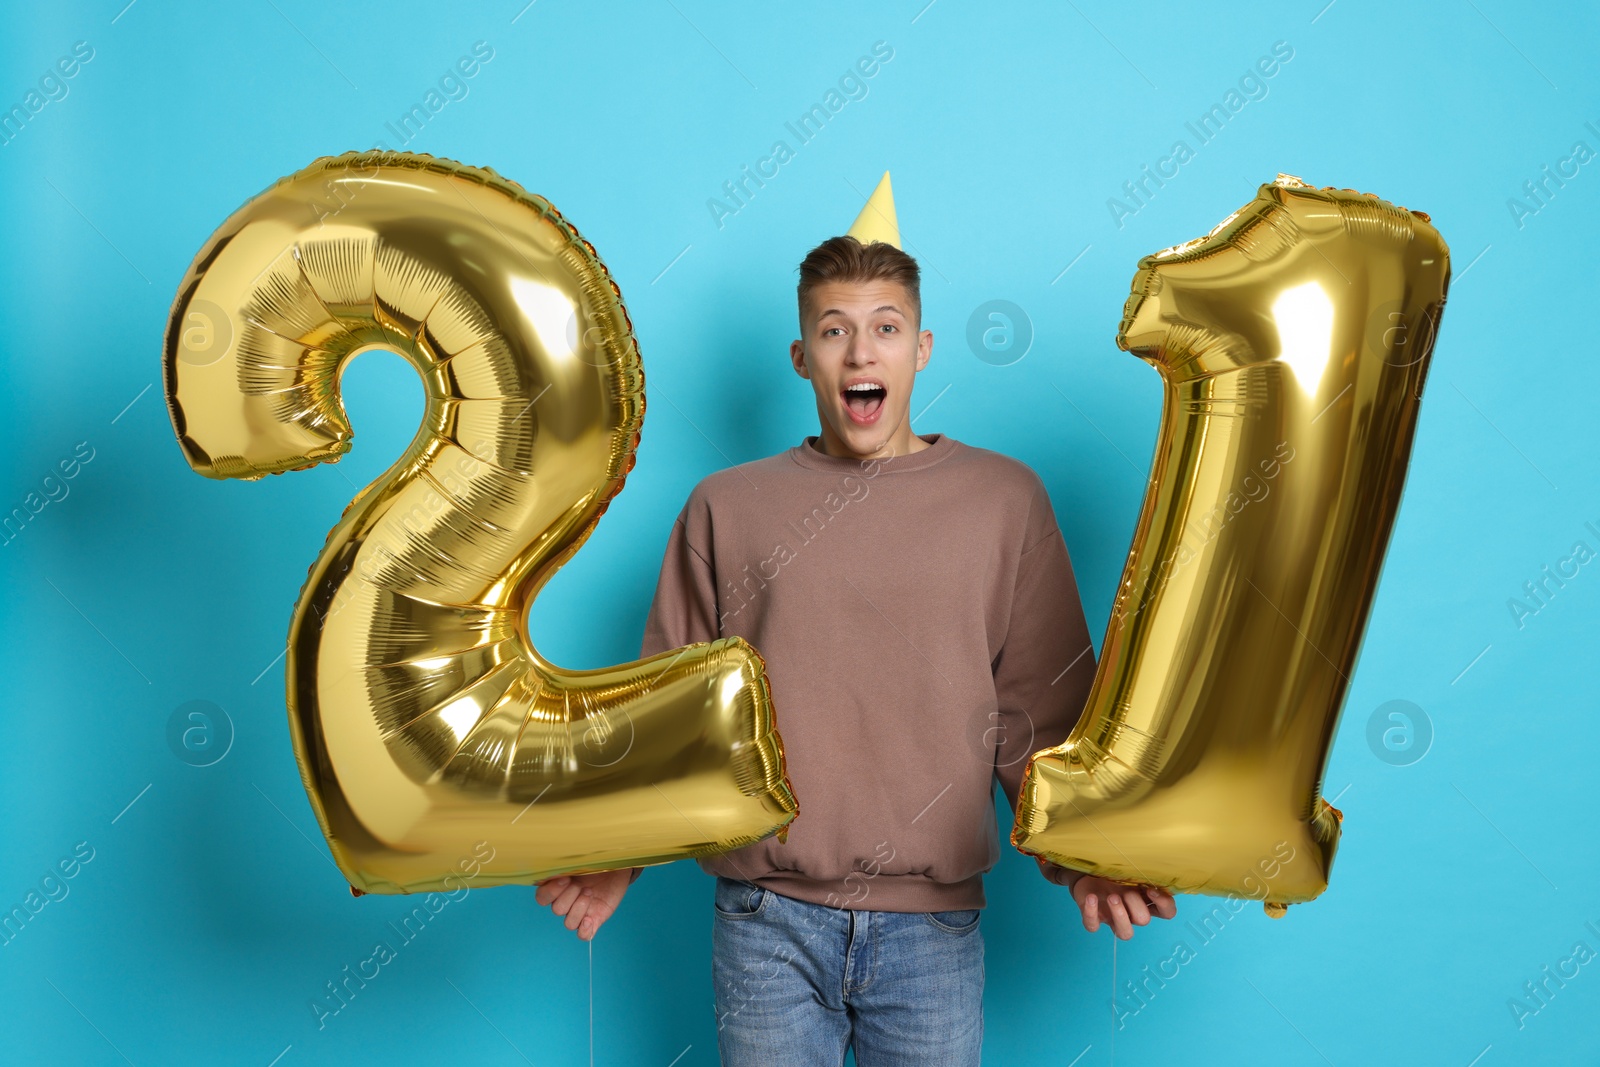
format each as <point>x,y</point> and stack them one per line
<point>211,916</point>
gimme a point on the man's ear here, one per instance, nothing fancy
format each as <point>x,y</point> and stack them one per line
<point>797,356</point>
<point>924,348</point>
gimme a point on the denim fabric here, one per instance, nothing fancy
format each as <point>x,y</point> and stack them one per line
<point>798,983</point>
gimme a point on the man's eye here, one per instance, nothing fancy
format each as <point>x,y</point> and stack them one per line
<point>887,326</point>
<point>831,330</point>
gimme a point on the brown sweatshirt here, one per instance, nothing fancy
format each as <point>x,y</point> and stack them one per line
<point>923,636</point>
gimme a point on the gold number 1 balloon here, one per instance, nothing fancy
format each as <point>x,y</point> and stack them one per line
<point>437,746</point>
<point>1292,343</point>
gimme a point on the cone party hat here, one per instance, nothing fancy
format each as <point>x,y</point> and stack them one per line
<point>877,220</point>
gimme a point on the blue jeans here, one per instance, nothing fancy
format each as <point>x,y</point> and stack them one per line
<point>798,983</point>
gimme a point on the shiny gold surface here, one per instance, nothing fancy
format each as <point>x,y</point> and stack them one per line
<point>1292,343</point>
<point>437,747</point>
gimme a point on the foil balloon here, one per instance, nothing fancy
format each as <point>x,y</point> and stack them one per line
<point>1292,343</point>
<point>438,748</point>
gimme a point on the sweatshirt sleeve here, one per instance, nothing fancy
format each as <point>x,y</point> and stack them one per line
<point>684,610</point>
<point>1047,663</point>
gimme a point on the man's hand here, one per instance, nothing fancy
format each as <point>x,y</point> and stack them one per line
<point>587,900</point>
<point>1123,904</point>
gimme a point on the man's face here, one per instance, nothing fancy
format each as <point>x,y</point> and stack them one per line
<point>861,351</point>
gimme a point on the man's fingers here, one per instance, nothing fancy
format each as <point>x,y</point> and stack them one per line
<point>583,902</point>
<point>579,909</point>
<point>601,907</point>
<point>1118,911</point>
<point>599,911</point>
<point>549,889</point>
<point>1123,905</point>
<point>563,902</point>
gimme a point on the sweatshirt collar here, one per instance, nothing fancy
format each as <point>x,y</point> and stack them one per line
<point>809,454</point>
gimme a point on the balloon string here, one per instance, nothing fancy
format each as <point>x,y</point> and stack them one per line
<point>1113,1000</point>
<point>591,1002</point>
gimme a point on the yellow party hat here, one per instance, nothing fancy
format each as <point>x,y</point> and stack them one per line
<point>877,220</point>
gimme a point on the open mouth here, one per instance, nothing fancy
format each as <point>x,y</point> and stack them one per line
<point>863,399</point>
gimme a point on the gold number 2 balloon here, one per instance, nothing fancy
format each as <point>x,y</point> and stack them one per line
<point>437,746</point>
<point>1292,343</point>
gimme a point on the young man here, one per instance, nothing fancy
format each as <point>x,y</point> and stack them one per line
<point>917,610</point>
